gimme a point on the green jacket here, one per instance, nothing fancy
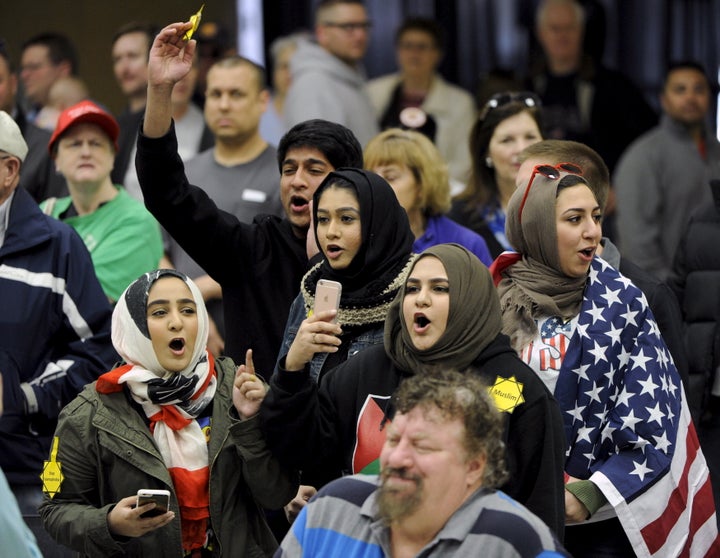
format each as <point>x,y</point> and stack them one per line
<point>106,453</point>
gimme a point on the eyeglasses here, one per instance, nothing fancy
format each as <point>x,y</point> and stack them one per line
<point>350,26</point>
<point>528,98</point>
<point>549,172</point>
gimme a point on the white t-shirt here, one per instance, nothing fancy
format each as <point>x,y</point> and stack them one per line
<point>546,351</point>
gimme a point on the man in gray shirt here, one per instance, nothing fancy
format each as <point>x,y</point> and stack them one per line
<point>328,80</point>
<point>662,177</point>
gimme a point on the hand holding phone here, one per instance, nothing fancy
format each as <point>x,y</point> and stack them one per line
<point>327,296</point>
<point>160,497</point>
<point>316,334</point>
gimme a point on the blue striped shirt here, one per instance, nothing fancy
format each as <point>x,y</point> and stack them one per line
<point>342,520</point>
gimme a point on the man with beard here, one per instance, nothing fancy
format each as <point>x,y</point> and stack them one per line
<point>434,496</point>
<point>663,176</point>
<point>258,265</point>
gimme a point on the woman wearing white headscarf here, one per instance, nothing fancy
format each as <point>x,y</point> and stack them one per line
<point>170,417</point>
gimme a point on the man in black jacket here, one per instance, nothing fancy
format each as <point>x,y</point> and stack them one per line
<point>258,265</point>
<point>696,281</point>
<point>583,100</point>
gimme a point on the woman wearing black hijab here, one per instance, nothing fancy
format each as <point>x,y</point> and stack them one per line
<point>366,244</point>
<point>447,314</point>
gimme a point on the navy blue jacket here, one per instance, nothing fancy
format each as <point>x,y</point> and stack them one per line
<point>54,332</point>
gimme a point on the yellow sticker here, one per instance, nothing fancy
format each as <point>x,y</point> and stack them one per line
<point>195,20</point>
<point>51,475</point>
<point>507,393</point>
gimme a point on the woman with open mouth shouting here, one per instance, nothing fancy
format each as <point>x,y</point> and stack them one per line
<point>632,453</point>
<point>446,314</point>
<point>170,418</point>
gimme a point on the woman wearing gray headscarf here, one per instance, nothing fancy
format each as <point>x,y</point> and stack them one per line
<point>587,332</point>
<point>446,314</point>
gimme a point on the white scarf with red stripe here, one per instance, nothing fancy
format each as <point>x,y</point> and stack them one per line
<point>170,400</point>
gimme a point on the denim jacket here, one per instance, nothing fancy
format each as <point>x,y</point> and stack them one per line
<point>297,314</point>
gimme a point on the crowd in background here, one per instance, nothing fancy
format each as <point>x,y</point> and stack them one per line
<point>556,236</point>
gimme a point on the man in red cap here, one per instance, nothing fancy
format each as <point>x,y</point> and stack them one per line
<point>123,238</point>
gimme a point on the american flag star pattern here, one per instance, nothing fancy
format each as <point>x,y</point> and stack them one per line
<point>628,424</point>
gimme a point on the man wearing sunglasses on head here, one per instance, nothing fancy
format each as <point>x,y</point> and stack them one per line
<point>328,79</point>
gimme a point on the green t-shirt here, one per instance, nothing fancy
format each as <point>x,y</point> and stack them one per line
<point>123,239</point>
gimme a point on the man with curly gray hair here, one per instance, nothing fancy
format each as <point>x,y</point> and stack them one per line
<point>442,456</point>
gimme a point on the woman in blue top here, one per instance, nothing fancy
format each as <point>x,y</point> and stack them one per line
<point>413,166</point>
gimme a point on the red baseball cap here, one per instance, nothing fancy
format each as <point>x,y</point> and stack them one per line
<point>85,111</point>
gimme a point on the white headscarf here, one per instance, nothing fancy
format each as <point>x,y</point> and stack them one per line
<point>170,400</point>
<point>130,334</point>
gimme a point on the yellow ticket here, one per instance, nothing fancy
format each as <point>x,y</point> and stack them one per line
<point>195,20</point>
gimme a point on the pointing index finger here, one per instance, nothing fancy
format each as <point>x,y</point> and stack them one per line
<point>249,364</point>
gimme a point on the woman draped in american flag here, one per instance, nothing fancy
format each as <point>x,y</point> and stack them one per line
<point>636,480</point>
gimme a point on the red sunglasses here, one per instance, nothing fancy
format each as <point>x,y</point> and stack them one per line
<point>549,172</point>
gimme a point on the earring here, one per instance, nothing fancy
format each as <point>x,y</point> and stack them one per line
<point>488,162</point>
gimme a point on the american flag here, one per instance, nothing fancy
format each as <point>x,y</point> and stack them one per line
<point>629,426</point>
<point>548,355</point>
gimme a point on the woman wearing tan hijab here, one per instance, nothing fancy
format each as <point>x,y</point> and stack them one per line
<point>446,314</point>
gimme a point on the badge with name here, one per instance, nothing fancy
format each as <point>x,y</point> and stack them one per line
<point>507,393</point>
<point>51,475</point>
<point>257,196</point>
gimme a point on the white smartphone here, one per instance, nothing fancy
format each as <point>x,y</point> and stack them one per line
<point>160,497</point>
<point>327,295</point>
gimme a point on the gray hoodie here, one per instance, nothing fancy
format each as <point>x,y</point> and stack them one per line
<point>325,87</point>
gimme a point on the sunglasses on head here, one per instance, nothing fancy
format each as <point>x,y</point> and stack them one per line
<point>528,98</point>
<point>551,173</point>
